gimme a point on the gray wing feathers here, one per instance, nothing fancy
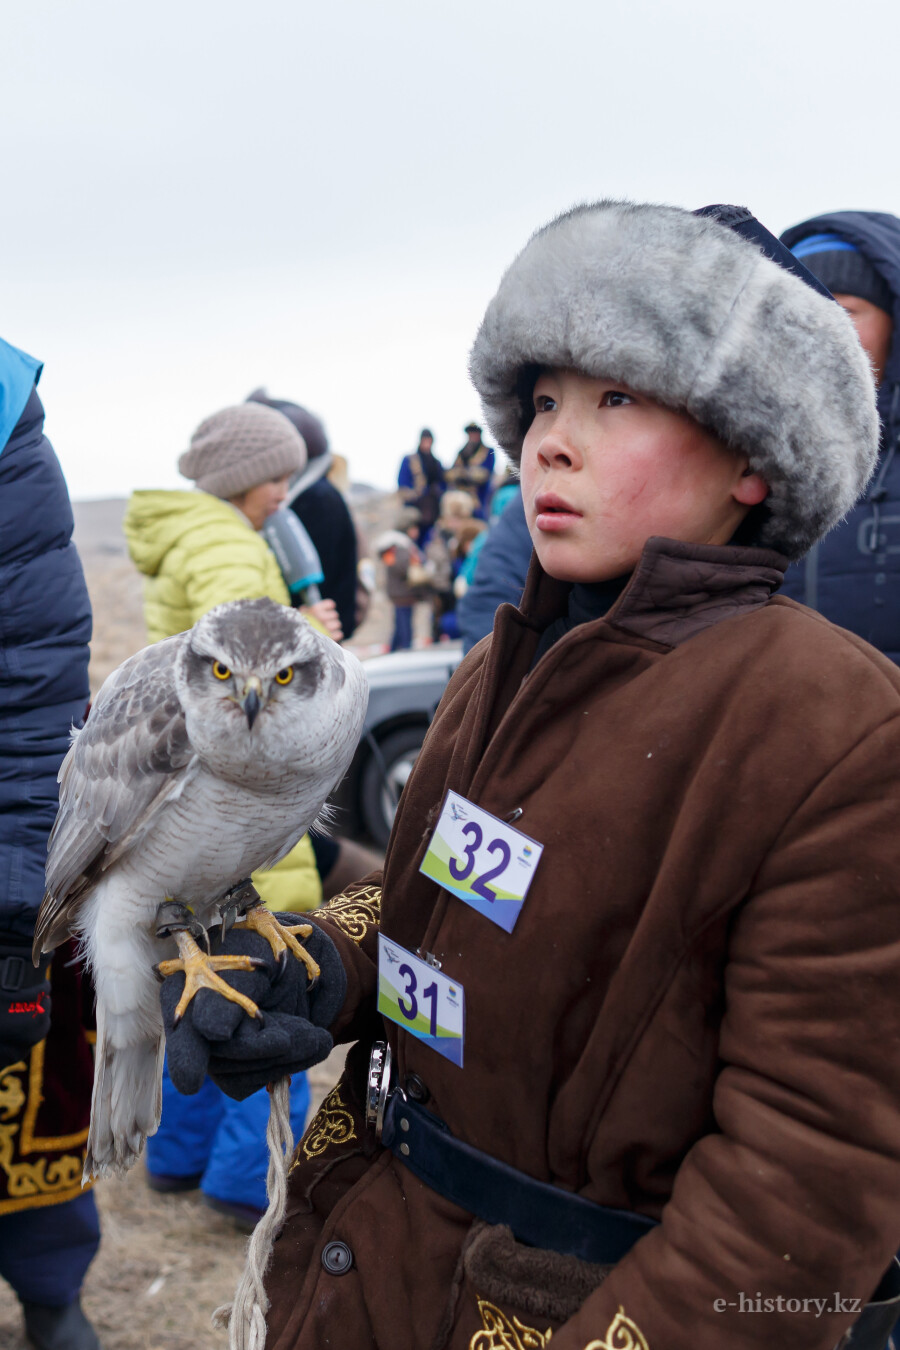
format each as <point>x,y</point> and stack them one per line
<point>132,756</point>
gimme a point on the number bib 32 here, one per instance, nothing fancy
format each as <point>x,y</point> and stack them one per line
<point>418,997</point>
<point>482,860</point>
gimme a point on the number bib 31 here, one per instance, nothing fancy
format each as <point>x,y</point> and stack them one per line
<point>482,860</point>
<point>418,997</point>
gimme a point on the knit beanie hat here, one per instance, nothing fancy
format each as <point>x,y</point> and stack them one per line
<point>841,267</point>
<point>238,448</point>
<point>683,308</point>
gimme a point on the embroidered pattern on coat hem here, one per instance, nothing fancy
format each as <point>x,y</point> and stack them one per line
<point>621,1334</point>
<point>500,1332</point>
<point>44,1180</point>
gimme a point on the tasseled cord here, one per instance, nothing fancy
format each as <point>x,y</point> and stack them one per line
<point>246,1316</point>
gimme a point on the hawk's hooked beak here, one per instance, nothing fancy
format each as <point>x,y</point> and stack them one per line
<point>250,699</point>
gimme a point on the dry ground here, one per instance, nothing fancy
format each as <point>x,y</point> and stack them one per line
<point>165,1262</point>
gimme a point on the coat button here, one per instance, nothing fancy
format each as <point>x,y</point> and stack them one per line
<point>416,1089</point>
<point>337,1258</point>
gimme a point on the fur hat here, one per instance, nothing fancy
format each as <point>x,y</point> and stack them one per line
<point>237,448</point>
<point>683,309</point>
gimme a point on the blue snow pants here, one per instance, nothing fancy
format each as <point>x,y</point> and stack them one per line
<point>220,1140</point>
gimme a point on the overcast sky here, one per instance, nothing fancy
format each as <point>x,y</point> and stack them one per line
<point>205,196</point>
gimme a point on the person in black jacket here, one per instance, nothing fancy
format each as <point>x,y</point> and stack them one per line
<point>324,513</point>
<point>852,576</point>
<point>49,1230</point>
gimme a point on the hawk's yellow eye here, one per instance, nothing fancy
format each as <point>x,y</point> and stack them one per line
<point>221,672</point>
<point>285,676</point>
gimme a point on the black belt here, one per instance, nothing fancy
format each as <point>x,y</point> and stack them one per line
<point>539,1214</point>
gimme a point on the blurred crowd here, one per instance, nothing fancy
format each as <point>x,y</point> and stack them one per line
<point>430,555</point>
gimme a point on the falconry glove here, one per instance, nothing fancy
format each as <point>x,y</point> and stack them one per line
<point>24,999</point>
<point>241,1053</point>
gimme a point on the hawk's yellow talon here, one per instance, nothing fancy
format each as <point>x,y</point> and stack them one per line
<point>200,973</point>
<point>280,937</point>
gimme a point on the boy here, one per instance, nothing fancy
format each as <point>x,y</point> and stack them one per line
<point>675,1087</point>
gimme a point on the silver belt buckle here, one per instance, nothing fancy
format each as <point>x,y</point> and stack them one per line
<point>378,1086</point>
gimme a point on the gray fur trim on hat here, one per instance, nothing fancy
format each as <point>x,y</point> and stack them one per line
<point>682,309</point>
<point>239,448</point>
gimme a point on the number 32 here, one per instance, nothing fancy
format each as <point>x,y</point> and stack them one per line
<point>496,846</point>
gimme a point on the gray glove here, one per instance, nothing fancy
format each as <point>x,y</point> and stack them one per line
<point>241,1053</point>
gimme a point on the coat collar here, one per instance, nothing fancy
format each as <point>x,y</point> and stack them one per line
<point>676,591</point>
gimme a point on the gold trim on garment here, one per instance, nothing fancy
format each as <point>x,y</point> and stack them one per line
<point>332,1124</point>
<point>355,914</point>
<point>621,1334</point>
<point>500,1332</point>
<point>37,1178</point>
<point>12,1096</point>
<point>31,1185</point>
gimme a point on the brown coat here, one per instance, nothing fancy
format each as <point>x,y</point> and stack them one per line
<point>697,1014</point>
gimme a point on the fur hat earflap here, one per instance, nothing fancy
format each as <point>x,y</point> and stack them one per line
<point>681,308</point>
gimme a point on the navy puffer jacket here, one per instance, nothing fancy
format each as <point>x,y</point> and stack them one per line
<point>852,576</point>
<point>45,628</point>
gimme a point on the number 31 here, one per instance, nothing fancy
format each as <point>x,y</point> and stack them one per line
<point>429,994</point>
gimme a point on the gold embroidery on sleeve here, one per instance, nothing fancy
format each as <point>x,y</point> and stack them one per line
<point>355,914</point>
<point>621,1334</point>
<point>506,1333</point>
<point>332,1124</point>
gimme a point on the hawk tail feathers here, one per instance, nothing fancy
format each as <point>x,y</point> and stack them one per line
<point>126,1104</point>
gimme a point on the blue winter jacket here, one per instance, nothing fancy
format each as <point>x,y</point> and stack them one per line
<point>852,576</point>
<point>45,628</point>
